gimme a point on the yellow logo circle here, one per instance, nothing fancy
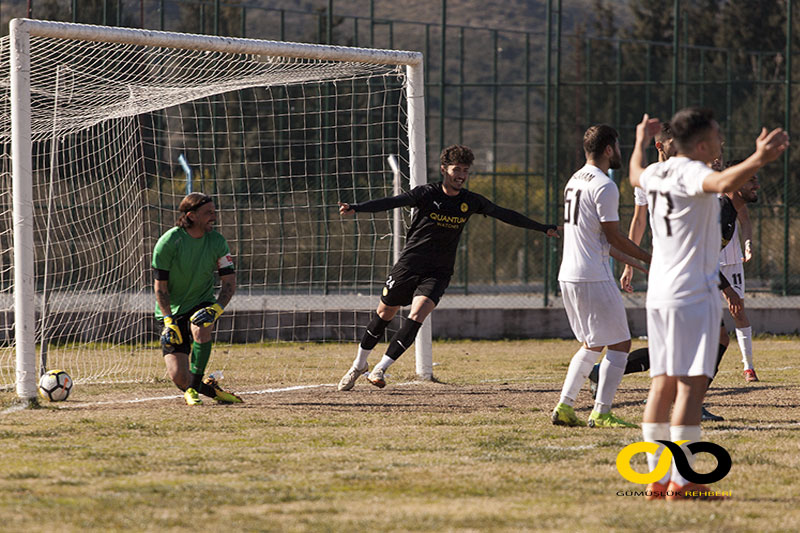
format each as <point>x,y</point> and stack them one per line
<point>385,291</point>
<point>464,207</point>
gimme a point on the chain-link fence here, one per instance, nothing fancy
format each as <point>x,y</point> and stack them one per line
<point>519,82</point>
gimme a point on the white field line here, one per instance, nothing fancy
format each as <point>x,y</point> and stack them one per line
<point>176,396</point>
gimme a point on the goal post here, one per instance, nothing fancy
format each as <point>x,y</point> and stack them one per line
<point>274,131</point>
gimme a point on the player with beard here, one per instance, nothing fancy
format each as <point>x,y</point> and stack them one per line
<point>593,304</point>
<point>423,271</point>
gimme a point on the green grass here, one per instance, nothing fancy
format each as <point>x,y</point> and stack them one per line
<point>474,452</point>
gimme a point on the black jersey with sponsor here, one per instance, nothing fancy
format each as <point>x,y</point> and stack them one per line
<point>439,219</point>
<point>727,218</point>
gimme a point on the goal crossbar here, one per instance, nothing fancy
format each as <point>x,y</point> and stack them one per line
<point>232,45</point>
<point>21,31</point>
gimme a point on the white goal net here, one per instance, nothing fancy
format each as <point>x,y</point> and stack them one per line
<point>123,123</point>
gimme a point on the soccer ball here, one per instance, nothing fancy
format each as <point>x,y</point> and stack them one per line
<point>55,385</point>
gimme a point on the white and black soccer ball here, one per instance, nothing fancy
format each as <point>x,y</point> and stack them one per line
<point>55,385</point>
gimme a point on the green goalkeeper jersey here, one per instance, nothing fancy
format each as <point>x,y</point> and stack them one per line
<point>191,264</point>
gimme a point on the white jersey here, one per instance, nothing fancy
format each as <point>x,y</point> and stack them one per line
<point>732,253</point>
<point>639,196</point>
<point>686,233</point>
<point>590,197</point>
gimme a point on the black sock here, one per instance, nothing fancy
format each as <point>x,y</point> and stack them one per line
<point>403,339</point>
<point>720,353</point>
<point>638,361</point>
<point>374,332</point>
<point>202,388</point>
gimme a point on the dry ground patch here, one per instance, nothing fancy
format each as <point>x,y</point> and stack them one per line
<point>473,452</point>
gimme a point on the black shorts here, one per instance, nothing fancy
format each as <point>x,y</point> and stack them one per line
<point>402,285</point>
<point>186,333</point>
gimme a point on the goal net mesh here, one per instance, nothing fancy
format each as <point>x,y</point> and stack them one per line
<point>121,133</point>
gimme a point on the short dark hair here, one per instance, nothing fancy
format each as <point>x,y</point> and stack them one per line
<point>665,134</point>
<point>456,154</point>
<point>191,202</point>
<point>597,138</point>
<point>689,124</point>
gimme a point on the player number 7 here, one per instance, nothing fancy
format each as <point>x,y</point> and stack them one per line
<point>654,196</point>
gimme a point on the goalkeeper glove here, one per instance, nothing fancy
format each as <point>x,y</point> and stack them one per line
<point>206,316</point>
<point>171,334</point>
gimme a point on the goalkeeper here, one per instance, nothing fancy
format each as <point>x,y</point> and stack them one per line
<point>184,261</point>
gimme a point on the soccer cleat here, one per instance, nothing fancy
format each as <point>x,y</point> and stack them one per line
<point>349,379</point>
<point>222,396</point>
<point>608,420</point>
<point>750,375</point>
<point>191,397</point>
<point>655,491</point>
<point>692,491</point>
<point>594,377</point>
<point>564,415</point>
<point>708,416</point>
<point>376,378</point>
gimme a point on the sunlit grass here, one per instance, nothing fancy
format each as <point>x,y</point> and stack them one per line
<point>474,452</point>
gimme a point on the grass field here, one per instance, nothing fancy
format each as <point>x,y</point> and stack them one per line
<point>473,452</point>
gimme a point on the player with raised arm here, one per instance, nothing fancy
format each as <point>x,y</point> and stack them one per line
<point>665,149</point>
<point>184,261</point>
<point>423,271</point>
<point>683,312</point>
<point>592,301</point>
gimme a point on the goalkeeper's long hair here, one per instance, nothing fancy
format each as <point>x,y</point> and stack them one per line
<point>191,202</point>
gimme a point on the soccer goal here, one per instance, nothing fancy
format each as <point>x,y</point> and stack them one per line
<point>109,128</point>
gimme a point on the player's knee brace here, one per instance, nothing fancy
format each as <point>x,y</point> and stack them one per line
<point>374,332</point>
<point>403,339</point>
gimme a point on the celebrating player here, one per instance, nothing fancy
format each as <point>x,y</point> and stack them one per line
<point>594,305</point>
<point>184,261</point>
<point>423,271</point>
<point>683,312</point>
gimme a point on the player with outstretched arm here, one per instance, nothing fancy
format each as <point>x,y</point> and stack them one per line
<point>423,271</point>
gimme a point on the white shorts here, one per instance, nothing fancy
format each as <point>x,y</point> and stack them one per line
<point>683,341</point>
<point>735,276</point>
<point>596,312</point>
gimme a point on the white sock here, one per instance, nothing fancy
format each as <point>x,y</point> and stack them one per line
<point>745,338</point>
<point>651,432</point>
<point>612,367</point>
<point>385,363</point>
<point>361,359</point>
<point>677,433</point>
<point>579,368</point>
